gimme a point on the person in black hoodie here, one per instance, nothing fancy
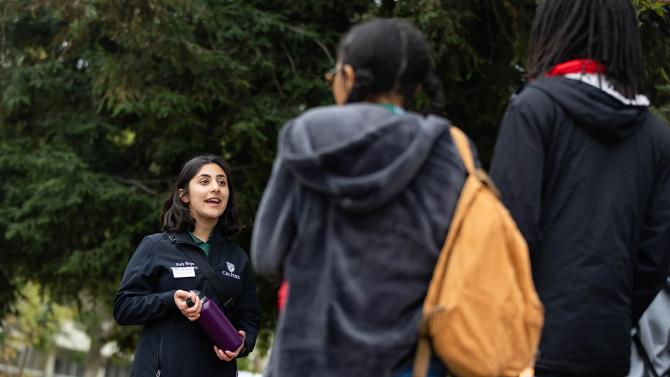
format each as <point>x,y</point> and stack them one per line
<point>166,269</point>
<point>356,211</point>
<point>584,168</point>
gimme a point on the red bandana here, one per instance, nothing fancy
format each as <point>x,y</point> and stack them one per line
<point>576,66</point>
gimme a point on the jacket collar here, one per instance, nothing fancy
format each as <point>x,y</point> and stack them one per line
<point>179,237</point>
<point>182,237</point>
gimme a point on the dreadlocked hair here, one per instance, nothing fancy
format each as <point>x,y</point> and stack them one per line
<point>602,30</point>
<point>390,55</point>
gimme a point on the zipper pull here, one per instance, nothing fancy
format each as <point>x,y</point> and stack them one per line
<point>158,374</point>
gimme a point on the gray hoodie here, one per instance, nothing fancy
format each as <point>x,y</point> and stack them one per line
<point>354,217</point>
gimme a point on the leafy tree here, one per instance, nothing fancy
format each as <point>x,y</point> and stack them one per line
<point>33,326</point>
<point>655,27</point>
<point>102,101</point>
<point>479,51</point>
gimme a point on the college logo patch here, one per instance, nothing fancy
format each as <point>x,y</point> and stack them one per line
<point>229,273</point>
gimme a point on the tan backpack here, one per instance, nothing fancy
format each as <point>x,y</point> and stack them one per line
<point>481,314</point>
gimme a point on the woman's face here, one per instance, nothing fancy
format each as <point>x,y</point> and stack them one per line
<point>207,194</point>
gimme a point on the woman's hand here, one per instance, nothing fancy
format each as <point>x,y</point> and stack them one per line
<point>192,313</point>
<point>229,355</point>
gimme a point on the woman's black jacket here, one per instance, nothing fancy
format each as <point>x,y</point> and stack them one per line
<point>170,345</point>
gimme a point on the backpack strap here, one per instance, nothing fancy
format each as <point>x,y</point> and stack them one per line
<point>203,264</point>
<point>423,348</point>
<point>422,356</point>
<point>211,278</point>
<point>464,150</point>
<point>463,146</point>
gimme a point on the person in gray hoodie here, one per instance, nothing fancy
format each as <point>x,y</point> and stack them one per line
<point>356,210</point>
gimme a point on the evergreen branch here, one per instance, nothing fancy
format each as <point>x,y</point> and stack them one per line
<point>137,184</point>
<point>290,58</point>
<point>316,40</point>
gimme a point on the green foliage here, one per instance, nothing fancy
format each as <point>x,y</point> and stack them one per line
<point>479,51</point>
<point>34,325</point>
<point>102,101</point>
<point>655,27</point>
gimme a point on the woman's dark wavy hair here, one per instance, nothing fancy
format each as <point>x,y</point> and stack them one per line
<point>176,216</point>
<point>604,30</point>
<point>390,55</point>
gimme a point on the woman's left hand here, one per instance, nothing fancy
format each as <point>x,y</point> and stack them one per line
<point>229,355</point>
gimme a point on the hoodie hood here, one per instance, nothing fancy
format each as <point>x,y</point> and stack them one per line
<point>359,155</point>
<point>594,106</point>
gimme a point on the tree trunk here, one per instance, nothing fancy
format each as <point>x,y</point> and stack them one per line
<point>24,360</point>
<point>93,359</point>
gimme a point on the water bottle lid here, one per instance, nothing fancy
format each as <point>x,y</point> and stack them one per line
<point>190,302</point>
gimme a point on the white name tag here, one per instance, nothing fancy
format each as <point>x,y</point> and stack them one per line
<point>183,272</point>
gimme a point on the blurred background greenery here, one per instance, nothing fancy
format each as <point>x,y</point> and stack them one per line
<point>101,101</point>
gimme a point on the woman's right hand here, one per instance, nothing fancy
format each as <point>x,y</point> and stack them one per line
<point>191,313</point>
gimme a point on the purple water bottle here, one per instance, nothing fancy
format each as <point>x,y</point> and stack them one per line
<point>216,325</point>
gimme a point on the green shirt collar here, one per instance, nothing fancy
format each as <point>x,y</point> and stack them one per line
<point>395,109</point>
<point>204,246</point>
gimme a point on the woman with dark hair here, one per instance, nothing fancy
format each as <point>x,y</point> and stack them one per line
<point>357,209</point>
<point>584,168</point>
<point>167,268</point>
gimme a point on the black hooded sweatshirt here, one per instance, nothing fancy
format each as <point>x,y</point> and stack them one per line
<point>587,178</point>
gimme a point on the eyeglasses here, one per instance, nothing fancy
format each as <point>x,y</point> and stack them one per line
<point>330,75</point>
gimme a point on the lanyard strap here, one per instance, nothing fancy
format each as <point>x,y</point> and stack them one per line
<point>203,264</point>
